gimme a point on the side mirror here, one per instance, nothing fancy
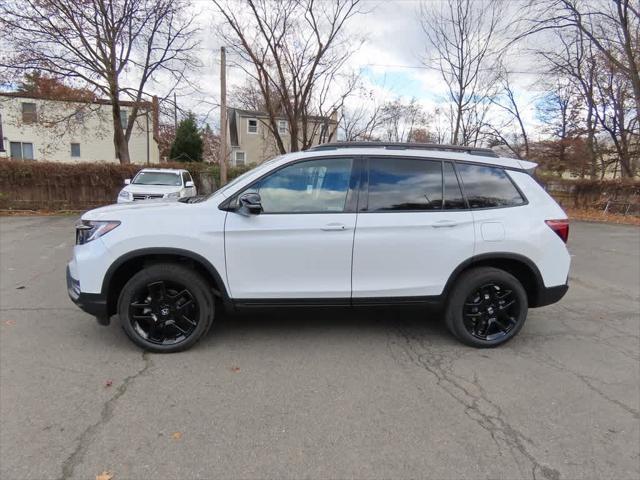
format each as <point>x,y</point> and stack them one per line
<point>250,203</point>
<point>127,181</point>
<point>189,184</point>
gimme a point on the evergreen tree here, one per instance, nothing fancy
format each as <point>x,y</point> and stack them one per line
<point>187,146</point>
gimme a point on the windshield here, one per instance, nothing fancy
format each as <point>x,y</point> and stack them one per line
<point>157,178</point>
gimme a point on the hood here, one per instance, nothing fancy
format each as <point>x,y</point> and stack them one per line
<point>152,188</point>
<point>120,210</point>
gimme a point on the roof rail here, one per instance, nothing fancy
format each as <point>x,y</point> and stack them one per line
<point>484,152</point>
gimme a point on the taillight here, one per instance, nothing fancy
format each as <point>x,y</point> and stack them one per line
<point>561,227</point>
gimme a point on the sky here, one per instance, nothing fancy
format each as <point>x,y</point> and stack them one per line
<point>390,60</point>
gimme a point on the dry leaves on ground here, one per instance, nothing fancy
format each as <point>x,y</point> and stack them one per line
<point>595,215</point>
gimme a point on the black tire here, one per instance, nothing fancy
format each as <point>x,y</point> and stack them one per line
<point>169,323</point>
<point>478,321</point>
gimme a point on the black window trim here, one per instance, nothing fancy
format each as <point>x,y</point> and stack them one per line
<point>364,188</point>
<point>353,193</point>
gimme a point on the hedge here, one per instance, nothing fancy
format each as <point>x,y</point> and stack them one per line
<point>79,186</point>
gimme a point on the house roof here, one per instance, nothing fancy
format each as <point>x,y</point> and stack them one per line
<point>259,114</point>
<point>99,101</point>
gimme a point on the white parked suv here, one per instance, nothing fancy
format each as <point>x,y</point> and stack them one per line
<point>337,225</point>
<point>157,183</point>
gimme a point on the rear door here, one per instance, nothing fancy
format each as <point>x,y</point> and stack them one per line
<point>413,229</point>
<point>300,245</point>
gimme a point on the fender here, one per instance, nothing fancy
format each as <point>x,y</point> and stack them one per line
<point>143,252</point>
<point>487,258</point>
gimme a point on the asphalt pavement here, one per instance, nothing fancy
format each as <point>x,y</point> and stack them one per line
<point>317,393</point>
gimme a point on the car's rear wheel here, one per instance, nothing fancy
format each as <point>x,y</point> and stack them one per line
<point>166,308</point>
<point>487,307</point>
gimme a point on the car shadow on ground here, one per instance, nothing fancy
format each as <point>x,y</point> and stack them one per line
<point>318,321</point>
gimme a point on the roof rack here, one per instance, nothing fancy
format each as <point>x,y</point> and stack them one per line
<point>484,152</point>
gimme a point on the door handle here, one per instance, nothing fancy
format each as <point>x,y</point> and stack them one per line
<point>444,224</point>
<point>331,227</point>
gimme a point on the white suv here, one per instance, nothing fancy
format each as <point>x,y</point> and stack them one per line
<point>157,183</point>
<point>337,225</point>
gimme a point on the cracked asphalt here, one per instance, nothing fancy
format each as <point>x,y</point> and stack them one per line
<point>320,394</point>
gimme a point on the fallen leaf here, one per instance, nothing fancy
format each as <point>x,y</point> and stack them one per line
<point>10,323</point>
<point>108,383</point>
<point>104,476</point>
<point>176,435</point>
<point>235,369</point>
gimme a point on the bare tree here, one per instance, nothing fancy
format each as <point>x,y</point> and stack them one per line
<point>611,26</point>
<point>616,114</point>
<point>573,58</point>
<point>362,121</point>
<point>399,120</point>
<point>295,51</point>
<point>465,40</point>
<point>117,47</point>
<point>517,142</point>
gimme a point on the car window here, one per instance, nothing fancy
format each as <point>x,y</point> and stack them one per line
<point>398,184</point>
<point>314,186</point>
<point>487,187</point>
<point>185,178</point>
<point>453,199</point>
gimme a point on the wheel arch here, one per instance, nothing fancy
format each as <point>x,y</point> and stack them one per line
<point>132,262</point>
<point>521,267</point>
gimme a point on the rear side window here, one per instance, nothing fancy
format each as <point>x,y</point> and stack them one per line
<point>487,187</point>
<point>398,184</point>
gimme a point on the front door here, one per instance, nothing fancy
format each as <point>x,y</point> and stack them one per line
<point>413,229</point>
<point>300,245</point>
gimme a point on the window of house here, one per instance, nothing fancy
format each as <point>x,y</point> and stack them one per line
<point>398,184</point>
<point>124,119</point>
<point>75,150</point>
<point>283,127</point>
<point>487,187</point>
<point>252,125</point>
<point>314,186</point>
<point>240,159</point>
<point>21,150</point>
<point>29,114</point>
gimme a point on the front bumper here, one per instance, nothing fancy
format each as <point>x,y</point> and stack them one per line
<point>93,303</point>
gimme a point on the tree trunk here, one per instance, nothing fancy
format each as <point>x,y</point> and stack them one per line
<point>119,139</point>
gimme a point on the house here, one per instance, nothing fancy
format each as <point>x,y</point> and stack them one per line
<point>36,128</point>
<point>251,140</point>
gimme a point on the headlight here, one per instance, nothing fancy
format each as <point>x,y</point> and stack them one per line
<point>88,230</point>
<point>124,194</point>
<point>172,195</point>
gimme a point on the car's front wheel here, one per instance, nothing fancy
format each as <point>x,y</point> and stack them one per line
<point>166,308</point>
<point>486,307</point>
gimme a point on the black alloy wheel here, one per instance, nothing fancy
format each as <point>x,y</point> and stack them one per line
<point>166,307</point>
<point>490,312</point>
<point>486,307</point>
<point>164,312</point>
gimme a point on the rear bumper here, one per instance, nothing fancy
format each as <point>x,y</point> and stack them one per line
<point>549,295</point>
<point>93,303</point>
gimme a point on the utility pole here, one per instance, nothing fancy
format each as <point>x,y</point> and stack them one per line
<point>175,112</point>
<point>223,117</point>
